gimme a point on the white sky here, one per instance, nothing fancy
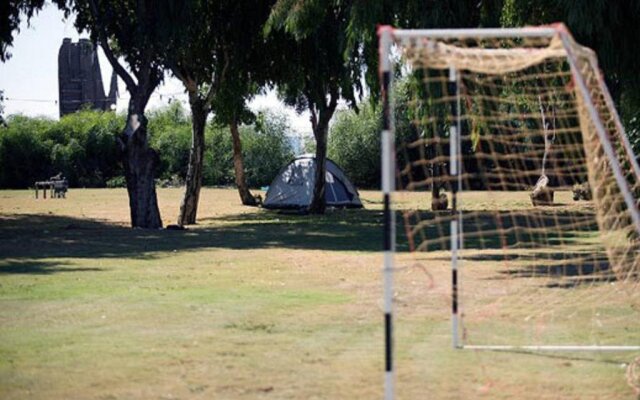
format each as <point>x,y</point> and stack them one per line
<point>30,78</point>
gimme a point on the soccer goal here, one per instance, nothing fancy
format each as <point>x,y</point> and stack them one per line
<point>520,173</point>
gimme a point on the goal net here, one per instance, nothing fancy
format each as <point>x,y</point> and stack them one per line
<point>515,169</point>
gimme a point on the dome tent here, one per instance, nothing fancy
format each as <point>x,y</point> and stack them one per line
<point>293,186</point>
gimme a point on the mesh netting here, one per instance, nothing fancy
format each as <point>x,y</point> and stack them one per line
<point>548,244</point>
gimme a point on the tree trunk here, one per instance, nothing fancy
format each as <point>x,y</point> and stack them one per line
<point>318,203</point>
<point>238,164</point>
<point>435,178</point>
<point>439,201</point>
<point>139,167</point>
<point>189,205</point>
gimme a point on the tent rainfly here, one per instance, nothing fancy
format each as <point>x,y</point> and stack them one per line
<point>293,186</point>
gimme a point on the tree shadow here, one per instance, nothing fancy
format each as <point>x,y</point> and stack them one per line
<point>39,267</point>
<point>28,239</point>
<point>554,243</point>
<point>500,229</point>
<point>571,273</point>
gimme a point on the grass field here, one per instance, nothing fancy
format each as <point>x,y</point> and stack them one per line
<point>251,304</point>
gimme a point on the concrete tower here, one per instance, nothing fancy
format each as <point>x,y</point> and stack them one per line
<point>80,79</point>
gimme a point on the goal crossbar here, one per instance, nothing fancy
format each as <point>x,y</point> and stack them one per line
<point>475,33</point>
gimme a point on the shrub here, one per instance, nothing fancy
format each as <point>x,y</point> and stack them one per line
<point>117,182</point>
<point>266,148</point>
<point>170,135</point>
<point>354,144</point>
<point>83,147</point>
<point>24,156</point>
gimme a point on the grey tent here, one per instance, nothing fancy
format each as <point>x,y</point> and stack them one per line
<point>293,186</point>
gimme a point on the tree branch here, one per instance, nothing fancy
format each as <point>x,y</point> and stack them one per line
<point>216,83</point>
<point>152,83</point>
<point>122,73</point>
<point>314,120</point>
<point>183,75</point>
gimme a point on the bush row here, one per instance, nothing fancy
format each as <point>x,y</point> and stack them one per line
<point>82,146</point>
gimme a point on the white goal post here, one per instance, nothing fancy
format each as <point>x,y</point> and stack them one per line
<point>501,112</point>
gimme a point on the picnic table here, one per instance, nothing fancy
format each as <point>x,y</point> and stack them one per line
<point>56,187</point>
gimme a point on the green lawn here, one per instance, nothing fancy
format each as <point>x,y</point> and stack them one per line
<point>254,304</point>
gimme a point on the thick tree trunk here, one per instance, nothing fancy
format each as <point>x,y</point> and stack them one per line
<point>189,205</point>
<point>321,131</point>
<point>238,164</point>
<point>139,167</point>
<point>320,116</point>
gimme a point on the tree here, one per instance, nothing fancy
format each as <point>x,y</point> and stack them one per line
<point>354,139</point>
<point>190,56</point>
<point>215,51</point>
<point>366,16</point>
<point>133,30</point>
<point>247,53</point>
<point>265,149</point>
<point>11,14</point>
<point>414,14</point>
<point>319,70</point>
<point>608,27</point>
<point>337,43</point>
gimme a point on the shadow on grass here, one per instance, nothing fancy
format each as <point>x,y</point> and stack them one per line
<point>557,244</point>
<point>39,267</point>
<point>574,266</point>
<point>501,229</point>
<point>26,240</point>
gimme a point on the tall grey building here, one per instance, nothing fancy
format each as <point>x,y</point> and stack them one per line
<point>80,79</point>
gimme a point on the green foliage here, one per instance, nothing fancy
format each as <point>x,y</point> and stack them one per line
<point>244,57</point>
<point>24,155</point>
<point>354,144</point>
<point>117,182</point>
<point>11,14</point>
<point>82,146</point>
<point>354,140</point>
<point>319,67</point>
<point>218,156</point>
<point>170,130</point>
<point>608,27</point>
<point>265,148</point>
<point>366,16</point>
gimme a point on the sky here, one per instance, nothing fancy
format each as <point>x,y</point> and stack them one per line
<point>30,77</point>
